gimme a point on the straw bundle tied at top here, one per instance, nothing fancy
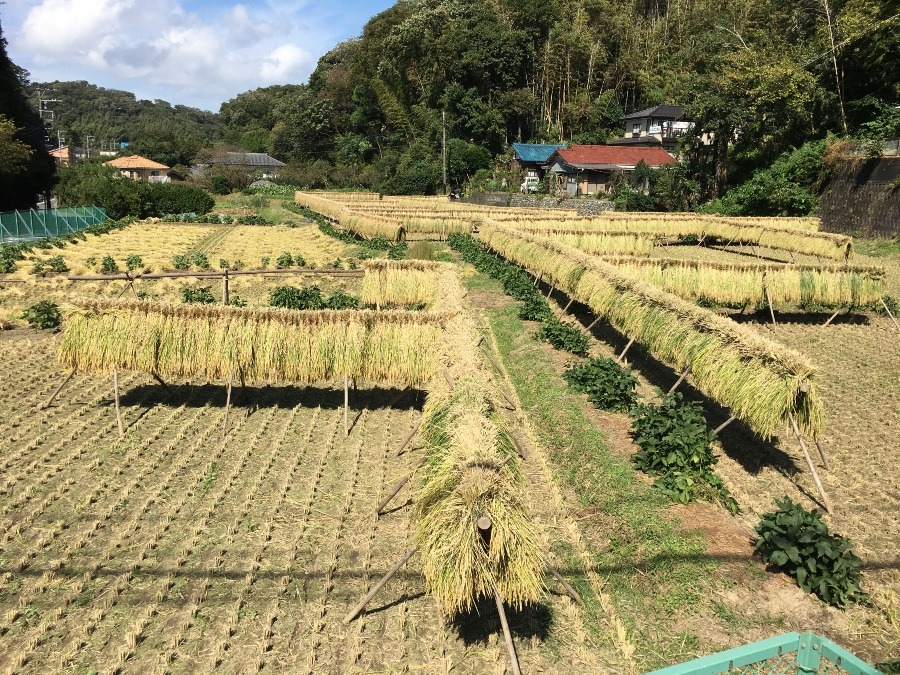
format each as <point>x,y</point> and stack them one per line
<point>761,381</point>
<point>264,345</point>
<point>400,283</point>
<point>472,471</point>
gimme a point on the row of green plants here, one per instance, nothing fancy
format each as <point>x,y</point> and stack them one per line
<point>11,254</point>
<point>202,295</point>
<point>215,219</point>
<point>310,297</point>
<point>395,251</point>
<point>676,447</point>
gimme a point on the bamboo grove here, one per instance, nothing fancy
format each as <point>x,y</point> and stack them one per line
<point>762,382</point>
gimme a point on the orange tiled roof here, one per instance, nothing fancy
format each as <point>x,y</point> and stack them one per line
<point>135,162</point>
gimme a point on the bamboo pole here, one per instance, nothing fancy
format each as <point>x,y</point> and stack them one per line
<point>625,351</point>
<point>227,406</point>
<point>771,309</point>
<point>118,410</point>
<point>397,487</point>
<point>571,592</point>
<point>833,316</point>
<point>680,379</point>
<point>568,304</point>
<point>507,636</point>
<point>888,310</point>
<point>590,325</point>
<point>352,614</point>
<point>346,408</point>
<point>58,389</point>
<point>215,275</point>
<point>537,279</point>
<point>409,437</point>
<point>225,297</point>
<point>550,292</point>
<point>822,455</point>
<point>812,468</point>
<point>160,381</point>
<point>723,425</point>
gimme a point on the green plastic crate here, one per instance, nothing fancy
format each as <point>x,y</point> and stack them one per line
<point>788,654</point>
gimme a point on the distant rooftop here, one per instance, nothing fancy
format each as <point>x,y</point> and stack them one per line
<point>249,159</point>
<point>135,162</point>
<point>534,152</point>
<point>609,156</point>
<point>675,112</point>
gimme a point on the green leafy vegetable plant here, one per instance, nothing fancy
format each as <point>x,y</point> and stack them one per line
<point>676,446</point>
<point>607,384</point>
<point>44,315</point>
<point>797,542</point>
<point>108,265</point>
<point>200,295</point>
<point>564,336</point>
<point>292,297</point>
<point>134,262</point>
<point>200,260</point>
<point>285,260</point>
<point>181,262</point>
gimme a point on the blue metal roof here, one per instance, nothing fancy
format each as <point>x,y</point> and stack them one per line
<point>534,152</point>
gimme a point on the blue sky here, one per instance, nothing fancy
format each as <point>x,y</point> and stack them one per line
<point>195,52</point>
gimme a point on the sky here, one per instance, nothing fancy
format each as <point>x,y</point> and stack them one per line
<point>199,53</point>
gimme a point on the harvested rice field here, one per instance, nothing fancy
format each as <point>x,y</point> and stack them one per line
<point>174,548</point>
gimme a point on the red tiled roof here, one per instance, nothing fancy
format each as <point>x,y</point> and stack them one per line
<point>614,155</point>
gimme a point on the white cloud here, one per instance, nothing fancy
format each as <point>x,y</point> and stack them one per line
<point>285,63</point>
<point>195,52</point>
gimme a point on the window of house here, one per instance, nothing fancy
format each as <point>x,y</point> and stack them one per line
<point>636,128</point>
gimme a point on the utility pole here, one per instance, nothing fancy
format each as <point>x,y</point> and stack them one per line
<point>444,149</point>
<point>90,139</point>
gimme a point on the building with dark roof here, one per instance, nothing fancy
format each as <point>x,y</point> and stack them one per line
<point>660,125</point>
<point>591,169</point>
<point>532,158</point>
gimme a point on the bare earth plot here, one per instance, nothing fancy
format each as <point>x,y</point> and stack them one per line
<point>172,550</point>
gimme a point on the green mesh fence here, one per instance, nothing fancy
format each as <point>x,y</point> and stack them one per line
<point>16,226</point>
<point>788,654</point>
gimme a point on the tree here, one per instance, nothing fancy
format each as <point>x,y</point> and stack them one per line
<point>33,169</point>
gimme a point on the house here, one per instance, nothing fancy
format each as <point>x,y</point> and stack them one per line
<point>531,158</point>
<point>591,169</point>
<point>140,168</point>
<point>660,125</point>
<point>67,155</point>
<point>256,162</point>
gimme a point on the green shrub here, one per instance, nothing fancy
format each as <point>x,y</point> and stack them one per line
<point>264,262</point>
<point>43,315</point>
<point>443,256</point>
<point>299,260</point>
<point>181,262</point>
<point>223,264</point>
<point>564,336</point>
<point>56,263</point>
<point>199,294</point>
<point>37,266</point>
<point>200,260</point>
<point>180,198</point>
<point>892,304</point>
<point>535,308</point>
<point>284,260</point>
<point>337,264</point>
<point>108,265</point>
<point>398,251</point>
<point>607,384</point>
<point>296,298</point>
<point>236,301</point>
<point>134,262</point>
<point>238,264</point>
<point>797,542</point>
<point>342,300</point>
<point>220,185</point>
<point>676,446</point>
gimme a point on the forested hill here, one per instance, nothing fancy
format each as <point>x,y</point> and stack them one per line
<point>169,134</point>
<point>758,71</point>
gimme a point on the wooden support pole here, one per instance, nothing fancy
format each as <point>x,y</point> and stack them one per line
<point>397,487</point>
<point>571,592</point>
<point>225,295</point>
<point>537,279</point>
<point>507,636</point>
<point>58,389</point>
<point>723,425</point>
<point>826,502</point>
<point>888,310</point>
<point>680,379</point>
<point>833,316</point>
<point>822,455</point>
<point>771,309</point>
<point>156,377</point>
<point>353,613</point>
<point>227,406</point>
<point>346,408</point>
<point>550,292</point>
<point>590,325</point>
<point>568,304</point>
<point>409,437</point>
<point>625,351</point>
<point>118,408</point>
